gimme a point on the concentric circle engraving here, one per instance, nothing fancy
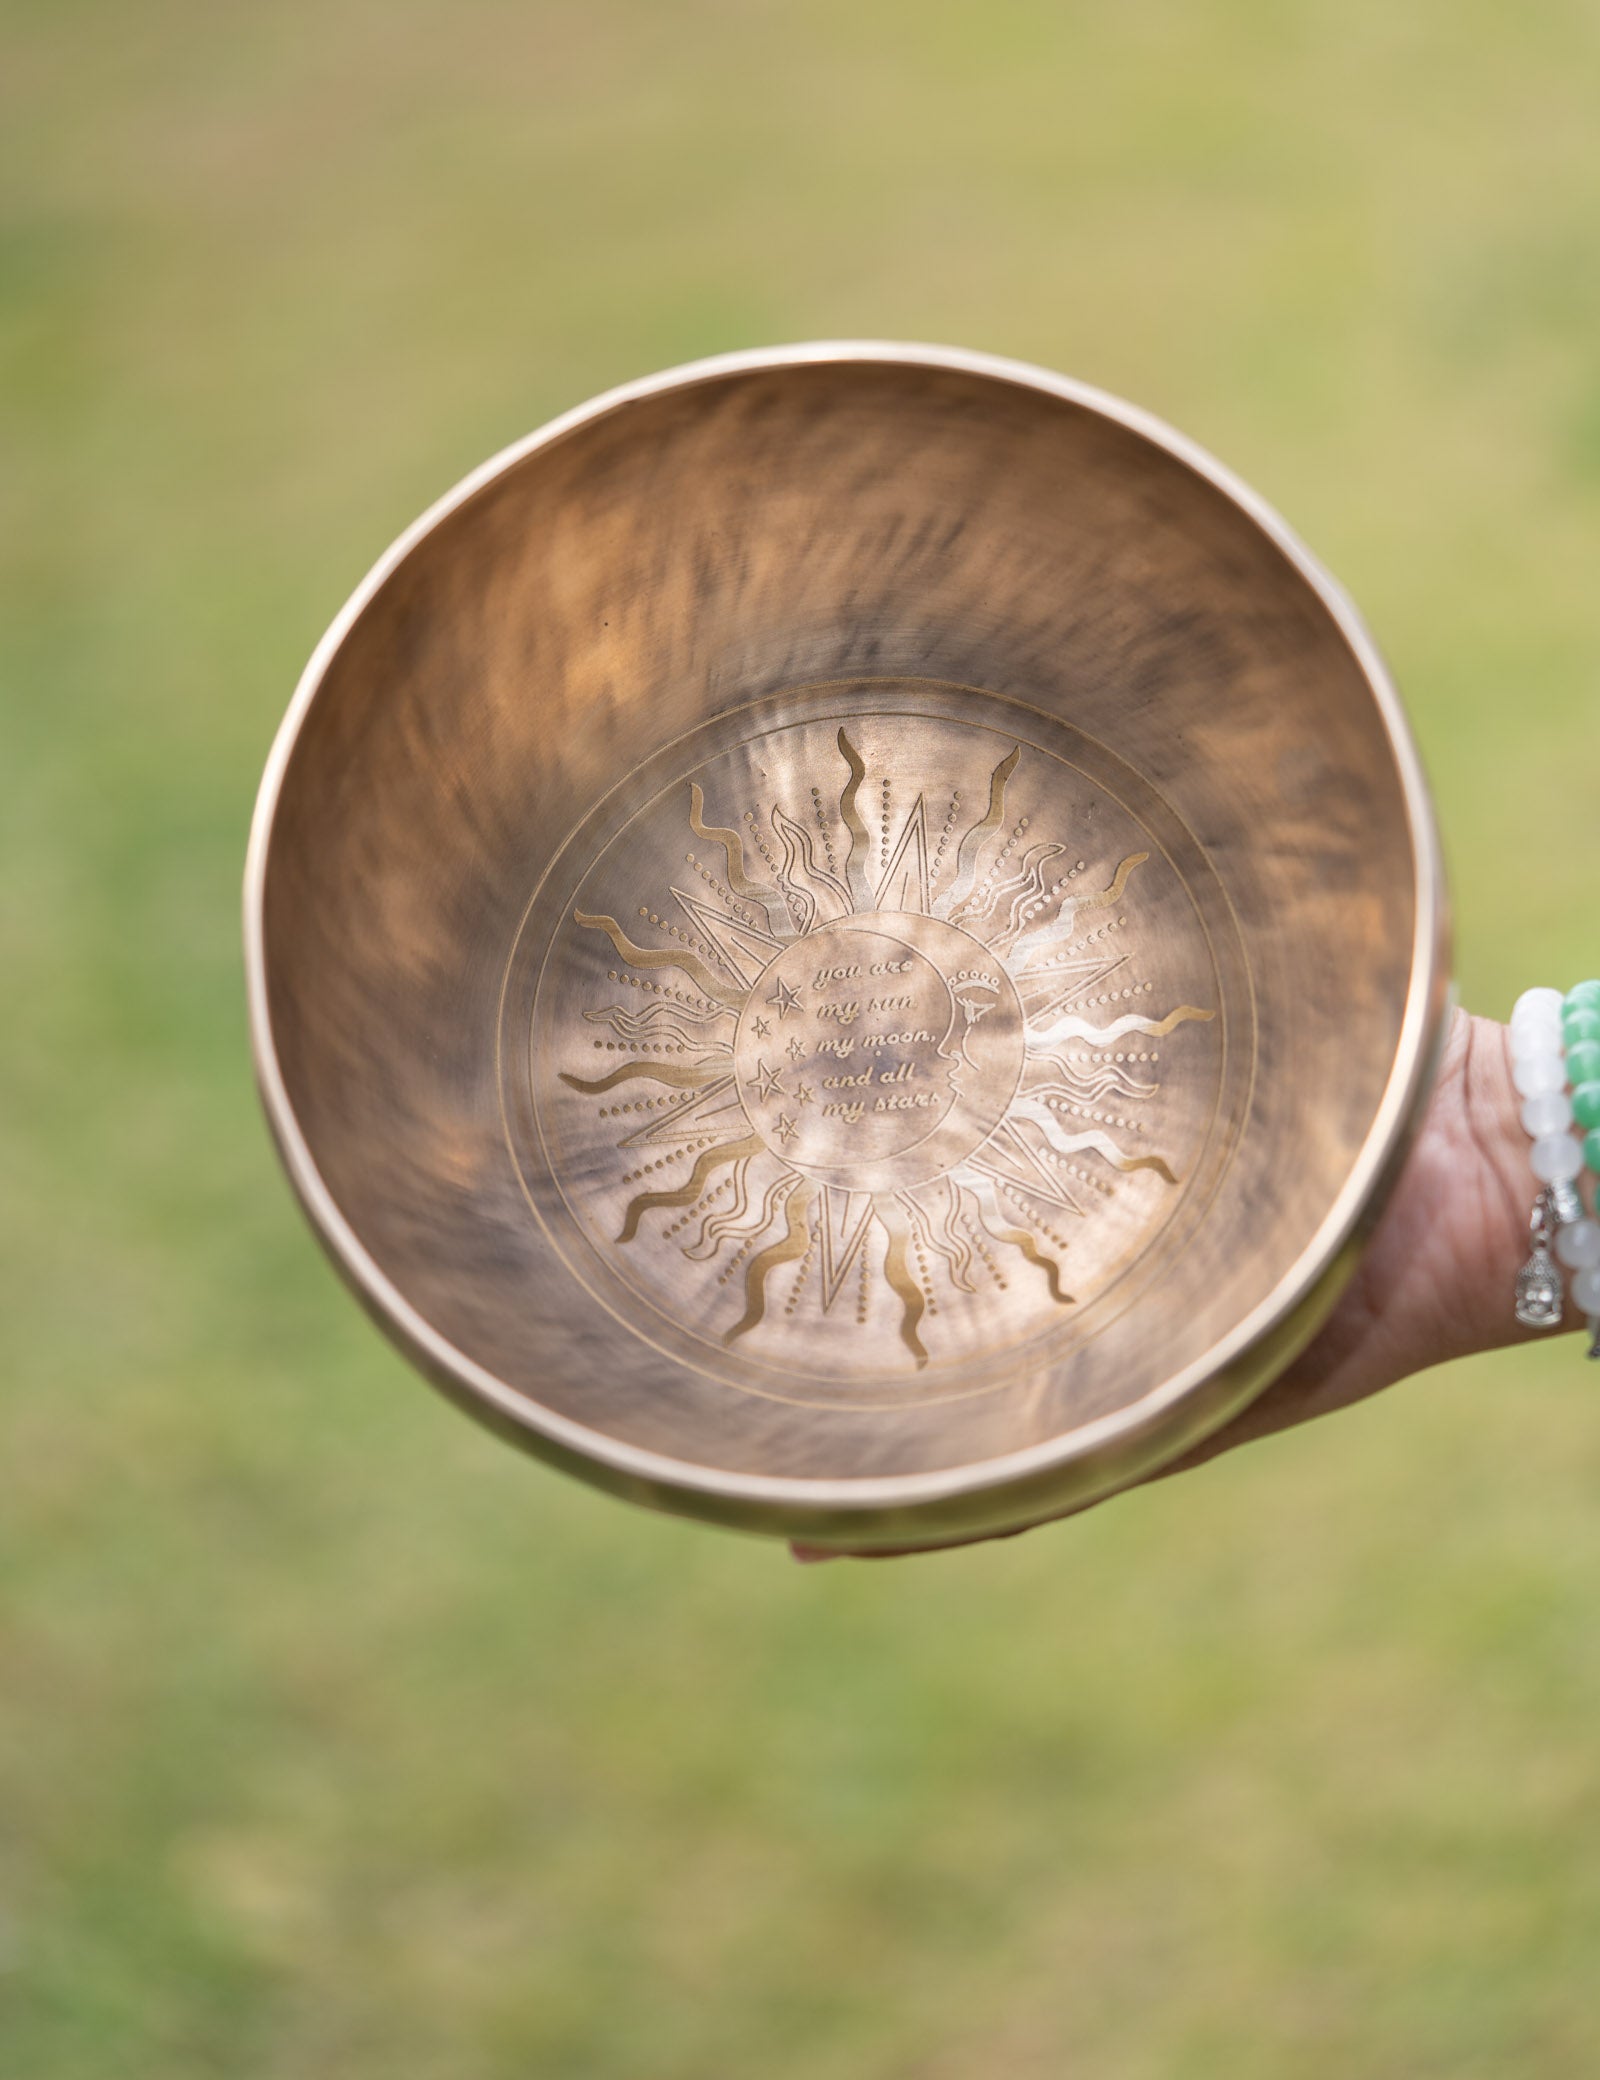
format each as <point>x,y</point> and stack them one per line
<point>860,1050</point>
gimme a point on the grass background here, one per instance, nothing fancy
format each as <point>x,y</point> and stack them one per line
<point>336,1740</point>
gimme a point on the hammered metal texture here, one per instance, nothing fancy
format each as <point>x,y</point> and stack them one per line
<point>844,942</point>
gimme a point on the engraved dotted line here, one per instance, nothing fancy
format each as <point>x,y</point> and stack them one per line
<point>1068,959</point>
<point>981,1246</point>
<point>739,1256</point>
<point>1006,851</point>
<point>944,839</point>
<point>822,826</point>
<point>1120,996</point>
<point>663,989</point>
<point>1028,1208</point>
<point>720,889</point>
<point>743,1250</point>
<point>804,1271</point>
<point>924,1275</point>
<point>1076,1170</point>
<point>1031,910</point>
<point>795,915</point>
<point>689,939</point>
<point>1103,1119</point>
<point>671,1156</point>
<point>650,1047</point>
<point>701,1205</point>
<point>761,843</point>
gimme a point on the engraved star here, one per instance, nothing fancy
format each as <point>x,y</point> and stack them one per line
<point>803,1092</point>
<point>785,998</point>
<point>766,1082</point>
<point>795,1051</point>
<point>762,1027</point>
<point>785,1129</point>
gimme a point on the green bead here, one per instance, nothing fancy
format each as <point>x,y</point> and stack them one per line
<point>1580,1025</point>
<point>1591,1149</point>
<point>1586,1104</point>
<point>1583,996</point>
<point>1583,1063</point>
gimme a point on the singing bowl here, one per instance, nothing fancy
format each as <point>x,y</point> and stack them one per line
<point>847,941</point>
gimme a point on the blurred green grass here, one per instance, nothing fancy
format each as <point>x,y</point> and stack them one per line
<point>333,1738</point>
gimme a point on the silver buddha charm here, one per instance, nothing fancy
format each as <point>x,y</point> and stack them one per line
<point>1541,1293</point>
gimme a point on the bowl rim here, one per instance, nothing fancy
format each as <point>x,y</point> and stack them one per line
<point>1037,1480</point>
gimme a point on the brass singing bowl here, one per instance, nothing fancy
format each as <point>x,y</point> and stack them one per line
<point>847,941</point>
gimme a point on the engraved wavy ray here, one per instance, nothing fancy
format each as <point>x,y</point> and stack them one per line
<point>738,1221</point>
<point>761,1267</point>
<point>666,1023</point>
<point>948,1239</point>
<point>932,1240</point>
<point>686,963</point>
<point>1072,906</point>
<point>715,1224</point>
<point>897,1270</point>
<point>713,1160</point>
<point>1093,1139</point>
<point>972,845</point>
<point>855,865</point>
<point>1016,892</point>
<point>821,896</point>
<point>1049,1075</point>
<point>733,849</point>
<point>685,1075</point>
<point>1073,1028</point>
<point>1020,1239</point>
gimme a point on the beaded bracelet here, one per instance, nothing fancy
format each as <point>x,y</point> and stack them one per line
<point>1555,1065</point>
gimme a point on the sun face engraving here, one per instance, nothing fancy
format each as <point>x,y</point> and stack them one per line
<point>904,1083</point>
<point>872,1078</point>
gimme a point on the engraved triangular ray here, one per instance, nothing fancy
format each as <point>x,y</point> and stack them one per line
<point>846,1218</point>
<point>705,1109</point>
<point>1074,982</point>
<point>1007,1156</point>
<point>743,949</point>
<point>905,880</point>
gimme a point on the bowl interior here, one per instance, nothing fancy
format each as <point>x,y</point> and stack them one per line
<point>795,707</point>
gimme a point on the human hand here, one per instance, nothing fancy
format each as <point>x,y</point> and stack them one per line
<point>1436,1280</point>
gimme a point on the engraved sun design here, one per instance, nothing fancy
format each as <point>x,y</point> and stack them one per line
<point>869,1061</point>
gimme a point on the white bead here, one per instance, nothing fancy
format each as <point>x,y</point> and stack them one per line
<point>1556,1158</point>
<point>1586,1289</point>
<point>1547,1000</point>
<point>1539,1072</point>
<point>1531,1043</point>
<point>1549,1112</point>
<point>1578,1245</point>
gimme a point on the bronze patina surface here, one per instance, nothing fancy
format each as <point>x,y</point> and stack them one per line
<point>846,940</point>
